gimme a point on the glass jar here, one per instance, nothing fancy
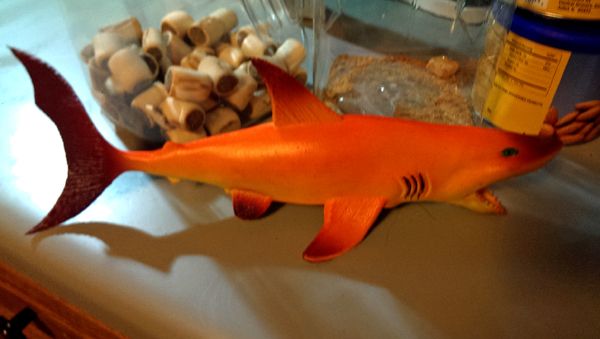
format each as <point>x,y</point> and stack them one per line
<point>178,70</point>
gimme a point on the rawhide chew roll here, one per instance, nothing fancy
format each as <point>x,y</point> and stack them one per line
<point>221,120</point>
<point>192,60</point>
<point>98,75</point>
<point>220,72</point>
<point>292,53</point>
<point>188,84</point>
<point>206,31</point>
<point>442,66</point>
<point>300,75</point>
<point>259,105</point>
<point>182,136</point>
<point>149,102</point>
<point>153,43</point>
<point>253,46</point>
<point>176,22</point>
<point>151,97</point>
<point>188,115</point>
<point>130,30</point>
<point>131,69</point>
<point>212,28</point>
<point>227,16</point>
<point>177,49</point>
<point>242,94</point>
<point>105,44</point>
<point>236,38</point>
<point>230,54</point>
<point>209,104</point>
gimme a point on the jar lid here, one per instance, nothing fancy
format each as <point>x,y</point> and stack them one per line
<point>571,35</point>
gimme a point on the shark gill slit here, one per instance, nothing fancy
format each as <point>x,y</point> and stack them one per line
<point>415,186</point>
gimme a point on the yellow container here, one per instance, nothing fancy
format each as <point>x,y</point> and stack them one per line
<point>564,9</point>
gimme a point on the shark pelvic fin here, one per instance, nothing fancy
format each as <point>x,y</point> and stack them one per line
<point>292,103</point>
<point>249,205</point>
<point>483,201</point>
<point>347,221</point>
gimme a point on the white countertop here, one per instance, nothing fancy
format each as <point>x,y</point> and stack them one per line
<point>156,260</point>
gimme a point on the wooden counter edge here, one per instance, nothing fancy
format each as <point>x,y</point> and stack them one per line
<point>56,313</point>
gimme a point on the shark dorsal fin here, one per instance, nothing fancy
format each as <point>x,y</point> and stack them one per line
<point>291,102</point>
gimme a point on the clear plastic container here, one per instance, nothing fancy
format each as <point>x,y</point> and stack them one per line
<point>178,70</point>
<point>413,60</point>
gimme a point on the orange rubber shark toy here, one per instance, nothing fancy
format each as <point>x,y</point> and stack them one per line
<point>354,165</point>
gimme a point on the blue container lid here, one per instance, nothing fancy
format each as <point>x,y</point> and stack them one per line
<point>572,35</point>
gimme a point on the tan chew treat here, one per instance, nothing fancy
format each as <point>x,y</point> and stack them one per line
<point>177,49</point>
<point>210,29</point>
<point>207,31</point>
<point>176,22</point>
<point>153,43</point>
<point>221,120</point>
<point>182,113</point>
<point>236,38</point>
<point>153,96</point>
<point>242,94</point>
<point>221,74</point>
<point>259,105</point>
<point>253,47</point>
<point>105,44</point>
<point>192,60</point>
<point>442,66</point>
<point>130,69</point>
<point>227,16</point>
<point>232,55</point>
<point>98,75</point>
<point>209,104</point>
<point>165,62</point>
<point>187,84</point>
<point>149,102</point>
<point>130,30</point>
<point>292,53</point>
<point>301,76</point>
<point>87,52</point>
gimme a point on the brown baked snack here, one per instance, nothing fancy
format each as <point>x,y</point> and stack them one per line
<point>395,86</point>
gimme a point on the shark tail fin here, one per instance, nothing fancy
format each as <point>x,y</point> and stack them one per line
<point>92,162</point>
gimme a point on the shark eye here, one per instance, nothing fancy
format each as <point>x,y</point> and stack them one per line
<point>510,152</point>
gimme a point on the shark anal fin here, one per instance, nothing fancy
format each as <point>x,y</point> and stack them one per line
<point>249,205</point>
<point>483,201</point>
<point>347,221</point>
<point>292,103</point>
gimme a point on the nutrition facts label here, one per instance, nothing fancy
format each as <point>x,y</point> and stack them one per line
<point>572,9</point>
<point>527,76</point>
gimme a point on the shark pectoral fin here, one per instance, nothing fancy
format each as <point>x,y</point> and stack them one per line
<point>347,221</point>
<point>249,205</point>
<point>483,201</point>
